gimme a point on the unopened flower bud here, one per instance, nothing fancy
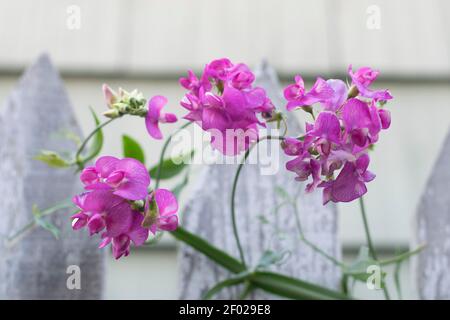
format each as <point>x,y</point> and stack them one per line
<point>112,113</point>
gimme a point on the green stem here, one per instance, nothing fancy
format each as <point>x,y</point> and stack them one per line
<point>309,243</point>
<point>78,160</point>
<point>233,209</point>
<point>30,225</point>
<point>163,152</point>
<point>233,194</point>
<point>366,229</point>
<point>369,240</point>
<point>403,256</point>
<point>248,288</point>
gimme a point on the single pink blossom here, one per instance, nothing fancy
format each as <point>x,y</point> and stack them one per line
<point>100,209</point>
<point>127,178</point>
<point>155,116</point>
<point>296,96</point>
<point>109,94</point>
<point>363,78</point>
<point>121,241</point>
<point>350,183</point>
<point>164,217</point>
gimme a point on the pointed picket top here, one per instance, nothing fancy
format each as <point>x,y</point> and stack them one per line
<point>433,229</point>
<point>38,115</point>
<point>261,225</point>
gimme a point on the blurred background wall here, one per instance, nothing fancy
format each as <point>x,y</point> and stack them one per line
<point>149,44</point>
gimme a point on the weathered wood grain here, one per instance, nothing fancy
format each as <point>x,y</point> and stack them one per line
<point>208,214</point>
<point>432,266</point>
<point>37,115</point>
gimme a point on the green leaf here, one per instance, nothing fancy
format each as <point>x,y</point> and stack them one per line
<point>233,281</point>
<point>282,193</point>
<point>97,141</point>
<point>397,283</point>
<point>272,282</point>
<point>220,257</point>
<point>132,149</point>
<point>403,256</point>
<point>262,218</point>
<point>358,269</point>
<point>52,159</point>
<point>292,288</point>
<point>270,257</point>
<point>171,167</point>
<point>44,223</point>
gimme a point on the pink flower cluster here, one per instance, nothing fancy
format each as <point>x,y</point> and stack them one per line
<point>333,152</point>
<point>224,102</point>
<point>107,207</point>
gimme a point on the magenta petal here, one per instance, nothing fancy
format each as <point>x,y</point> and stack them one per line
<point>327,126</point>
<point>105,165</point>
<point>292,146</point>
<point>385,117</point>
<point>166,201</point>
<point>214,118</point>
<point>170,118</point>
<point>153,128</point>
<point>291,105</point>
<point>235,101</point>
<point>356,114</point>
<point>256,97</point>
<point>136,180</point>
<point>89,176</point>
<point>104,242</point>
<point>79,220</point>
<point>347,186</point>
<point>362,163</point>
<point>155,105</point>
<point>118,220</point>
<point>137,233</point>
<point>169,223</point>
<point>339,95</point>
<point>100,201</point>
<point>96,224</point>
<point>121,246</point>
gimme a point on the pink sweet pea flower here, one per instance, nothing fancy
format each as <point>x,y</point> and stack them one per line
<point>335,101</point>
<point>100,209</point>
<point>341,135</point>
<point>192,83</point>
<point>327,127</point>
<point>362,123</point>
<point>363,78</point>
<point>230,112</point>
<point>218,69</point>
<point>161,209</point>
<point>350,183</point>
<point>155,116</point>
<point>241,77</point>
<point>305,167</point>
<point>385,117</point>
<point>296,96</point>
<point>133,233</point>
<point>109,94</point>
<point>292,146</point>
<point>128,178</point>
